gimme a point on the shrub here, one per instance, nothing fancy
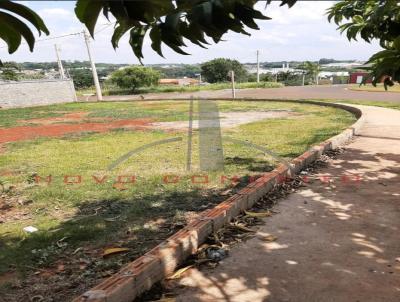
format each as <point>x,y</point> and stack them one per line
<point>135,77</point>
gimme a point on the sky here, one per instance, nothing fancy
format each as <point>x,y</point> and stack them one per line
<point>297,34</point>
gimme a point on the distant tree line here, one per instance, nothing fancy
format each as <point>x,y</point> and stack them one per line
<point>213,71</point>
<point>179,71</point>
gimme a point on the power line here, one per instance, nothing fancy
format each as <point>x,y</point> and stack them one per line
<point>47,39</point>
<point>66,35</point>
<point>58,37</point>
<point>105,27</point>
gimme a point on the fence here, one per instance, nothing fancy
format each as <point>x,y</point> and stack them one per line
<point>36,93</point>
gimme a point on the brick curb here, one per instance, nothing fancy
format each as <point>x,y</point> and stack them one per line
<point>139,275</point>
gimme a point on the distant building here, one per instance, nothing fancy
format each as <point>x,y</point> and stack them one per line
<point>179,82</point>
<point>346,65</point>
<point>329,74</point>
<point>359,77</point>
<point>252,68</point>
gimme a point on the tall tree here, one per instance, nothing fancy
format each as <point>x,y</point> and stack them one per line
<point>134,77</point>
<point>312,70</point>
<point>9,71</point>
<point>217,70</point>
<point>373,19</point>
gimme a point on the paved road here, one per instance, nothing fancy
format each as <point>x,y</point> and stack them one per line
<point>337,92</point>
<point>337,242</point>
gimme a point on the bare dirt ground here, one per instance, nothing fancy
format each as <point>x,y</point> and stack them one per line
<point>338,238</point>
<point>228,119</point>
<point>76,122</point>
<point>74,117</point>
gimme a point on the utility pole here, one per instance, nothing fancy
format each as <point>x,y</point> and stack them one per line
<point>258,67</point>
<point>94,71</point>
<point>190,136</point>
<point>60,66</point>
<point>303,79</point>
<point>198,75</point>
<point>233,84</point>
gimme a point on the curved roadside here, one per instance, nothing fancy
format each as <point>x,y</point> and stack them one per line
<point>332,92</point>
<point>336,240</point>
<point>155,265</point>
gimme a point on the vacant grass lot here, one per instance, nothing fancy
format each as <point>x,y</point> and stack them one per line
<point>113,90</point>
<point>61,185</point>
<point>372,88</point>
<point>390,105</point>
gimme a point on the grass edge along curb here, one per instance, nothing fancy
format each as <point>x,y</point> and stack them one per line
<point>141,274</point>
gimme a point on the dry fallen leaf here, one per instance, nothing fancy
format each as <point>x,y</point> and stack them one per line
<point>120,186</point>
<point>179,272</point>
<point>112,219</point>
<point>242,228</point>
<point>268,238</point>
<point>77,250</point>
<point>115,250</point>
<point>258,214</point>
<point>167,300</point>
<point>60,267</point>
<point>226,192</point>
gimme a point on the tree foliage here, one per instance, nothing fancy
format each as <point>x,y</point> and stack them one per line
<point>13,29</point>
<point>373,19</point>
<point>134,77</point>
<point>174,22</point>
<point>82,78</point>
<point>169,22</point>
<point>311,69</point>
<point>179,71</point>
<point>9,71</point>
<point>217,70</point>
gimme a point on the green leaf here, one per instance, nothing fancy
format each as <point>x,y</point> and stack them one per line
<point>19,27</point>
<point>358,19</point>
<point>10,36</point>
<point>172,21</point>
<point>136,40</point>
<point>396,43</point>
<point>380,55</point>
<point>26,13</point>
<point>155,36</point>
<point>119,31</point>
<point>194,35</point>
<point>88,12</point>
<point>289,3</point>
<point>174,47</point>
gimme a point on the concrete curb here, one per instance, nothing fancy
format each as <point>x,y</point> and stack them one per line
<point>141,274</point>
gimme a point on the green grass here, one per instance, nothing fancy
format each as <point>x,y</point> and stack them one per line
<point>112,90</point>
<point>93,216</point>
<point>377,88</point>
<point>167,111</point>
<point>390,105</point>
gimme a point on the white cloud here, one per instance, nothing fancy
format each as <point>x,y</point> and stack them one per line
<point>55,13</point>
<point>302,12</point>
<point>332,39</point>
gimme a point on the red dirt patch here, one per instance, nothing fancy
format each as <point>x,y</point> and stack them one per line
<point>7,173</point>
<point>72,117</point>
<point>8,278</point>
<point>55,130</point>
